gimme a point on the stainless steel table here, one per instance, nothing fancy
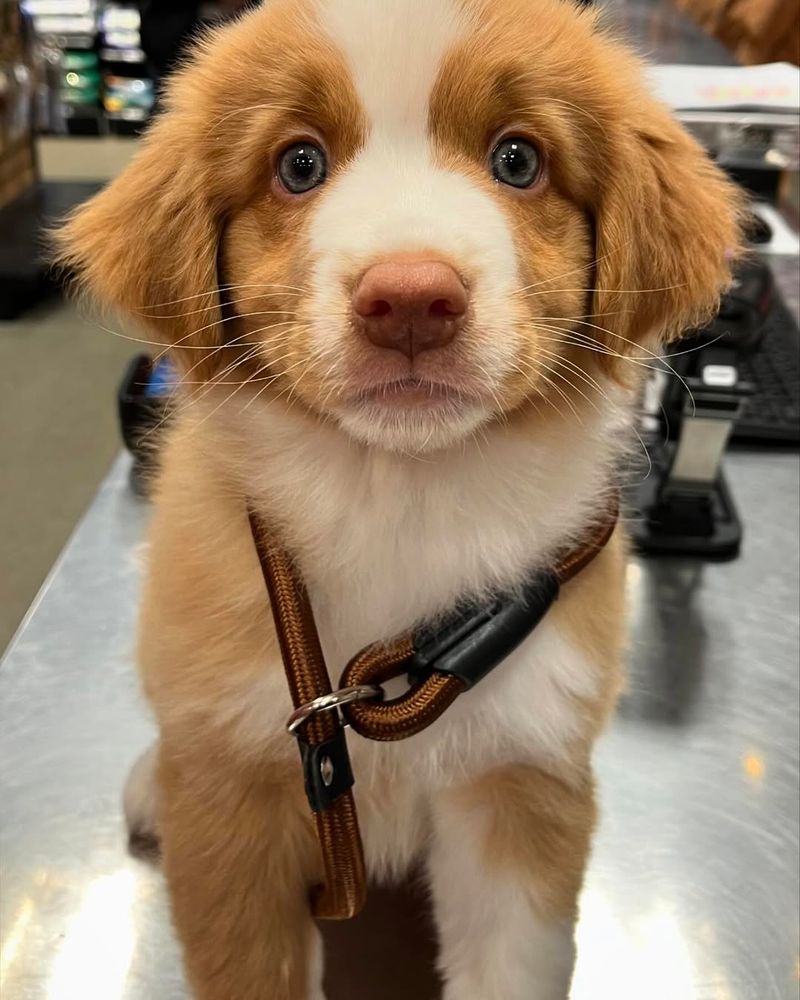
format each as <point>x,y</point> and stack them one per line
<point>693,888</point>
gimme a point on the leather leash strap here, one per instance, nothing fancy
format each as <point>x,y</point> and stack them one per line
<point>442,662</point>
<point>344,891</point>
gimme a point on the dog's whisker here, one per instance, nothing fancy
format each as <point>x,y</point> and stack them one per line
<point>553,115</point>
<point>227,319</point>
<point>232,343</point>
<point>229,287</point>
<point>285,108</point>
<point>572,387</point>
<point>670,354</point>
<point>658,358</point>
<point>202,309</point>
<point>222,403</point>
<point>575,270</point>
<point>533,108</point>
<point>187,400</point>
<point>165,348</point>
<point>600,288</point>
<point>490,386</point>
<point>554,385</point>
<point>576,370</point>
<point>581,111</point>
<point>126,336</point>
<point>535,370</point>
<point>205,386</point>
<point>219,378</point>
<point>551,402</point>
<point>281,374</point>
<point>296,381</point>
<point>268,363</point>
<point>253,353</point>
<point>333,388</point>
<point>590,316</point>
<point>569,338</point>
<point>269,381</point>
<point>564,396</point>
<point>611,333</point>
<point>479,434</point>
<point>228,344</point>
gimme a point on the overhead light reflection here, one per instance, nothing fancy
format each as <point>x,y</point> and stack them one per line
<point>649,958</point>
<point>93,960</point>
<point>633,580</point>
<point>754,766</point>
<point>15,936</point>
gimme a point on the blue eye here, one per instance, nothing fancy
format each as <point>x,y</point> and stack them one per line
<point>302,167</point>
<point>516,162</point>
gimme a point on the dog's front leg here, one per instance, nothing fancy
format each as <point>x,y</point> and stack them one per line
<point>239,857</point>
<point>506,867</point>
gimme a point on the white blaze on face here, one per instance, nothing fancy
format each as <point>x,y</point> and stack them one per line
<point>394,49</point>
<point>394,198</point>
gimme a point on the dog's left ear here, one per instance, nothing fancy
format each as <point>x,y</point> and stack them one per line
<point>667,230</point>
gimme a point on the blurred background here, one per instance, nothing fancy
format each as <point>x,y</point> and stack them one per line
<point>78,84</point>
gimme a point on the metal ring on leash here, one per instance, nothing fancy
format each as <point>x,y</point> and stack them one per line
<point>327,702</point>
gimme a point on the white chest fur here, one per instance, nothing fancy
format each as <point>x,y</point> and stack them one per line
<point>385,540</point>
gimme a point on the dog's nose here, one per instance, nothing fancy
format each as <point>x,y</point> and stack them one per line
<point>410,306</point>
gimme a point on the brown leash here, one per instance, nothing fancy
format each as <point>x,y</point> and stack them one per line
<point>442,661</point>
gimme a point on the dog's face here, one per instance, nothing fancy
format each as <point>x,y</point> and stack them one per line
<point>424,215</point>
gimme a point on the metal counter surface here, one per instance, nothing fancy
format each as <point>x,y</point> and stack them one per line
<point>693,889</point>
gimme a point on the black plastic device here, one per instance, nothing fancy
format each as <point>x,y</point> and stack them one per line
<point>143,405</point>
<point>472,641</point>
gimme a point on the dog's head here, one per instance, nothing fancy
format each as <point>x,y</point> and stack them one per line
<point>412,218</point>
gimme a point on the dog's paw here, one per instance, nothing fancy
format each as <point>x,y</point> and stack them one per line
<point>140,804</point>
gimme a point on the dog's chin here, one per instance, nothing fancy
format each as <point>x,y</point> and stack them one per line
<point>411,419</point>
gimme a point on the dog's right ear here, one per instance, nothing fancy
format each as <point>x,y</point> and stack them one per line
<point>147,244</point>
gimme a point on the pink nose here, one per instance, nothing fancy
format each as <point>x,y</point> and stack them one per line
<point>410,306</point>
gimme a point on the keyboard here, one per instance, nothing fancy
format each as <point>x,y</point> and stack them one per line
<point>772,413</point>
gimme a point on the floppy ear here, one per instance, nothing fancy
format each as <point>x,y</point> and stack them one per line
<point>147,244</point>
<point>667,230</point>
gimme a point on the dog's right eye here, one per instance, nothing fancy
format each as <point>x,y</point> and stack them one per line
<point>516,162</point>
<point>302,167</point>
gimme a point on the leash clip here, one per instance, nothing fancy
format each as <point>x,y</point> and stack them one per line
<point>329,702</point>
<point>326,766</point>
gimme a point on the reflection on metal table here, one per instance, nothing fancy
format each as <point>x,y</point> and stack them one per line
<point>693,888</point>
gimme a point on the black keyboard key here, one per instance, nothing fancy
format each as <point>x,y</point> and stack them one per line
<point>772,413</point>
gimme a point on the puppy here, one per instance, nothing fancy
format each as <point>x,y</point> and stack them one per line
<point>411,258</point>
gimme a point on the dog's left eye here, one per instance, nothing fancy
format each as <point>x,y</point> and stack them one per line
<point>516,162</point>
<point>302,167</point>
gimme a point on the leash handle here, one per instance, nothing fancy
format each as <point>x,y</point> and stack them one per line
<point>323,749</point>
